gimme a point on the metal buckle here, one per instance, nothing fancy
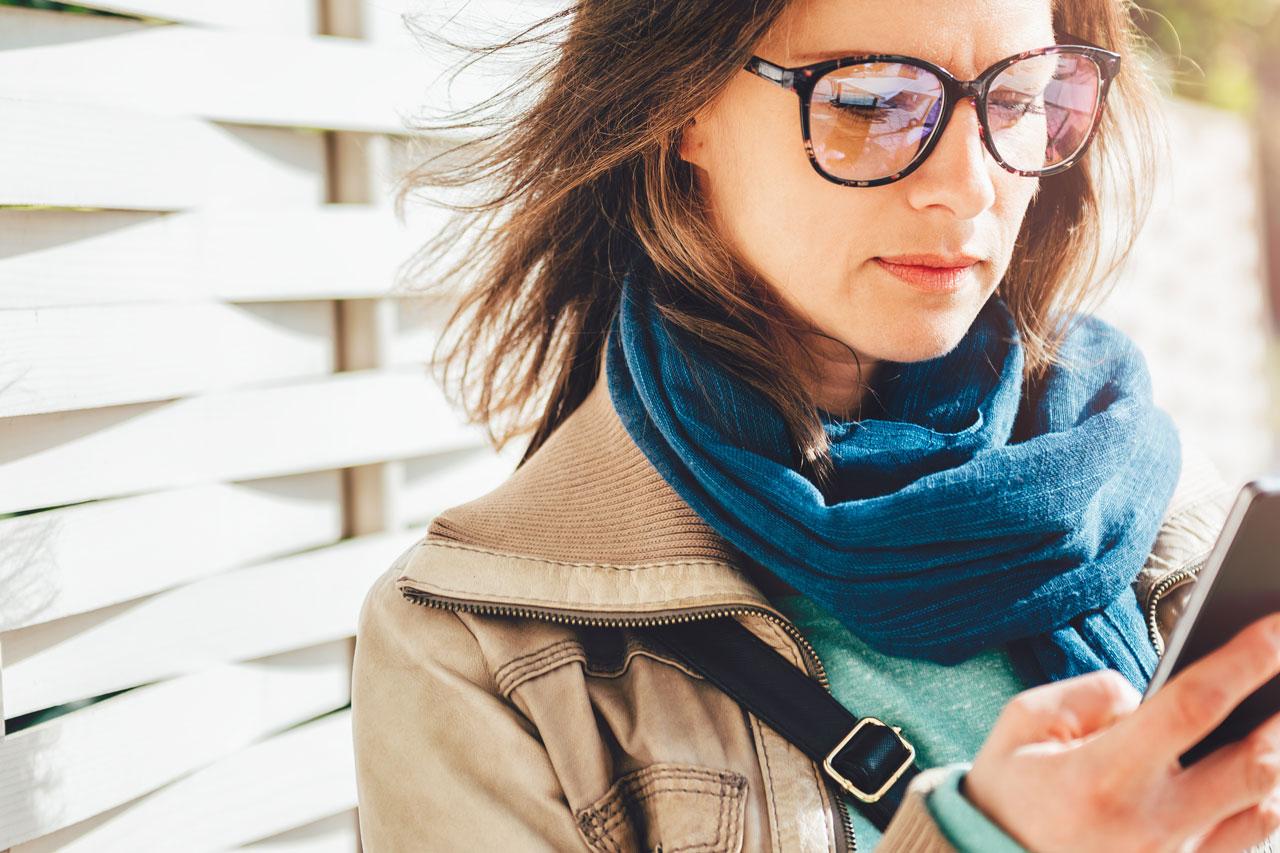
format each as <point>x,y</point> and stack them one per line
<point>854,789</point>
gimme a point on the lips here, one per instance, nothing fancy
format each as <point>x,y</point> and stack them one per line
<point>937,261</point>
<point>931,273</point>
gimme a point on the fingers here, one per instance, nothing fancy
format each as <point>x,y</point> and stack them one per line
<point>1244,830</point>
<point>1199,697</point>
<point>1065,710</point>
<point>1240,775</point>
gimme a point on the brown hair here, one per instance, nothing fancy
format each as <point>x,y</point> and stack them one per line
<point>589,172</point>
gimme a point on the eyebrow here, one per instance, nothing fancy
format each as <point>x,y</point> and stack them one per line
<point>811,57</point>
<point>823,55</point>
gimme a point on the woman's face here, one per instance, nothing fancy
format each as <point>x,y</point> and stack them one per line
<point>817,242</point>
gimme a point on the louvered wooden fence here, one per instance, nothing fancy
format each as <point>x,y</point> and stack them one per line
<point>215,429</point>
<point>225,430</point>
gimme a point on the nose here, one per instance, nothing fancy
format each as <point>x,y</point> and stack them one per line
<point>957,174</point>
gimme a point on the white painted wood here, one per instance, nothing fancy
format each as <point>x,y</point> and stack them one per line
<point>279,16</point>
<point>76,358</point>
<point>258,610</point>
<point>441,480</point>
<point>348,419</point>
<point>284,782</point>
<point>74,766</point>
<point>338,833</point>
<point>82,155</point>
<point>396,23</point>
<point>71,560</point>
<point>418,324</point>
<point>256,253</point>
<point>229,75</point>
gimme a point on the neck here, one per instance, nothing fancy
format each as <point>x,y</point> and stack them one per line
<point>842,379</point>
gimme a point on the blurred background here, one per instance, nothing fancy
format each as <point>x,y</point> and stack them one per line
<point>215,425</point>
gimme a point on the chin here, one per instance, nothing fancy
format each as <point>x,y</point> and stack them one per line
<point>922,342</point>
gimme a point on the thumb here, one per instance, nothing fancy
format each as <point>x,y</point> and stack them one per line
<point>1064,710</point>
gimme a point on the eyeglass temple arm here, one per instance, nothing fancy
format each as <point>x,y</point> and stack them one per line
<point>773,73</point>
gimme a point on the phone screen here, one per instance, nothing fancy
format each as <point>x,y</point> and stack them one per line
<point>1239,584</point>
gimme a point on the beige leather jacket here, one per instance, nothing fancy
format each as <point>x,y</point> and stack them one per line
<point>503,698</point>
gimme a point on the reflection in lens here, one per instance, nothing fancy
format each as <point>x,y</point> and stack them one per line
<point>1041,109</point>
<point>868,121</point>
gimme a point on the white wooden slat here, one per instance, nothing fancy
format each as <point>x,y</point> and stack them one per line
<point>244,613</point>
<point>286,781</point>
<point>441,480</point>
<point>81,155</point>
<point>58,359</point>
<point>347,419</point>
<point>418,323</point>
<point>71,560</point>
<point>338,833</point>
<point>228,75</point>
<point>279,16</point>
<point>257,253</point>
<point>385,22</point>
<point>72,767</point>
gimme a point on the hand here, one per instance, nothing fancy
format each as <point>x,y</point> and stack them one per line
<point>1083,764</point>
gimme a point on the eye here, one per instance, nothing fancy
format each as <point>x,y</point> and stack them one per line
<point>856,100</point>
<point>1016,104</point>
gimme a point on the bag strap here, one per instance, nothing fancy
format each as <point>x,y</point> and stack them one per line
<point>865,756</point>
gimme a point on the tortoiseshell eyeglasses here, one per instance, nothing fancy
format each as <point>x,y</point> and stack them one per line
<point>872,119</point>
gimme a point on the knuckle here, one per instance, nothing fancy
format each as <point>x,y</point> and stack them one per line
<point>1260,649</point>
<point>1262,765</point>
<point>1150,842</point>
<point>1197,703</point>
<point>1117,688</point>
<point>1107,796</point>
<point>1268,812</point>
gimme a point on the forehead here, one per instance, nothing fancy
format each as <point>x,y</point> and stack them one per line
<point>963,36</point>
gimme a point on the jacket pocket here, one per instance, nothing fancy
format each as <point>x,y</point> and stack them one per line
<point>666,808</point>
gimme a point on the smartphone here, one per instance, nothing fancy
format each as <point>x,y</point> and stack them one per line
<point>1239,583</point>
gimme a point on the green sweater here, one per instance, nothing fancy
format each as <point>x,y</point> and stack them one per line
<point>944,711</point>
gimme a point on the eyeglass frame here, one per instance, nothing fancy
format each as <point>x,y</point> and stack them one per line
<point>802,79</point>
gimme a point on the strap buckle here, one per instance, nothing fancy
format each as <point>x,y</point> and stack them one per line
<point>847,784</point>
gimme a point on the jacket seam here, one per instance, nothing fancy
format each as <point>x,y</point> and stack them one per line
<point>768,769</point>
<point>527,659</point>
<point>557,654</point>
<point>553,660</point>
<point>605,817</point>
<point>438,543</point>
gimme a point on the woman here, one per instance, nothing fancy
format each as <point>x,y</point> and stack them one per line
<point>822,373</point>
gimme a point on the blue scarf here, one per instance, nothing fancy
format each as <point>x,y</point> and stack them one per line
<point>966,517</point>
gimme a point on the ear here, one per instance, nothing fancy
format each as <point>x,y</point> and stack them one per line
<point>690,143</point>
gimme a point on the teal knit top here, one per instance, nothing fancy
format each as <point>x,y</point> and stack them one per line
<point>944,711</point>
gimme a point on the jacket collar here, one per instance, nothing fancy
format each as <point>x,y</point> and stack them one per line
<point>588,526</point>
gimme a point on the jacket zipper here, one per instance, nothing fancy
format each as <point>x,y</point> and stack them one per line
<point>419,596</point>
<point>1167,583</point>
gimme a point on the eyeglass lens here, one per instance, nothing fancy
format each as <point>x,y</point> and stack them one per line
<point>869,121</point>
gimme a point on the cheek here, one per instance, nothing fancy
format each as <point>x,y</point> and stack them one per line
<point>756,172</point>
<point>782,218</point>
<point>1013,197</point>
